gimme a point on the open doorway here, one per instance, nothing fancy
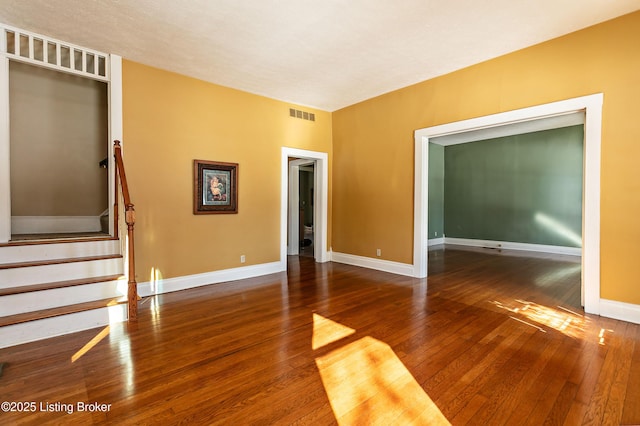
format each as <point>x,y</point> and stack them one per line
<point>304,209</point>
<point>302,177</point>
<point>61,105</point>
<point>592,108</point>
<point>58,135</point>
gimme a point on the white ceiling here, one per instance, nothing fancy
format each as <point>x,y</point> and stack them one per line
<point>519,128</point>
<point>326,54</point>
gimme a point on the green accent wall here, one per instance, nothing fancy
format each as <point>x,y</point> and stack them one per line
<point>436,191</point>
<point>524,188</point>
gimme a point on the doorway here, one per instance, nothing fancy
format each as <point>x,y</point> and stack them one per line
<point>58,167</point>
<point>591,106</point>
<point>98,70</point>
<point>302,171</point>
<point>314,165</point>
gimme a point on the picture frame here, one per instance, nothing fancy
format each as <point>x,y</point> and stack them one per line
<point>215,186</point>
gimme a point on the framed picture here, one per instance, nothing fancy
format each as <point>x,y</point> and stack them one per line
<point>215,187</point>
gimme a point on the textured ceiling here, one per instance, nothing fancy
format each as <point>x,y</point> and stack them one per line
<point>326,54</point>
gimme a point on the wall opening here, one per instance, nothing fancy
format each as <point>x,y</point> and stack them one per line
<point>58,139</point>
<point>521,191</point>
<point>591,106</point>
<point>292,160</point>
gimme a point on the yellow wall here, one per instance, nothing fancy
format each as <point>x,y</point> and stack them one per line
<point>170,120</point>
<point>373,141</point>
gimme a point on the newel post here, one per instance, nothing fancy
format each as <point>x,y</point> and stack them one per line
<point>130,219</point>
<point>132,293</point>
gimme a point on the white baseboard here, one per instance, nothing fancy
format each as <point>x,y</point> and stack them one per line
<point>53,224</point>
<point>168,285</point>
<point>371,263</point>
<point>571,251</point>
<point>435,241</point>
<point>620,311</point>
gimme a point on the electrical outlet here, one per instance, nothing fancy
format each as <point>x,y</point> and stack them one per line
<point>378,252</point>
<point>242,258</point>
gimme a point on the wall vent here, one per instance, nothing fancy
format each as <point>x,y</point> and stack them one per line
<point>39,50</point>
<point>296,113</point>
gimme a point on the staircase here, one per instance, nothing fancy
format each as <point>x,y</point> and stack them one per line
<point>50,288</point>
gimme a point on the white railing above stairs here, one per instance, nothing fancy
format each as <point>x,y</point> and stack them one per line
<point>36,49</point>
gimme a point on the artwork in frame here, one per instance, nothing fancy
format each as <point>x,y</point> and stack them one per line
<point>215,187</point>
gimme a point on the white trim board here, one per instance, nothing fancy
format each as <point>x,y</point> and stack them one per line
<point>507,245</point>
<point>115,126</point>
<point>372,263</point>
<point>435,241</point>
<point>52,224</point>
<point>620,311</point>
<point>5,158</point>
<point>591,105</point>
<point>167,285</point>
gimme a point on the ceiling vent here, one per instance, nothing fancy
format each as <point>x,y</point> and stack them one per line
<point>296,113</point>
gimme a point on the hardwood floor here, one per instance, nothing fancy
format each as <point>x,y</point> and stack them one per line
<point>488,338</point>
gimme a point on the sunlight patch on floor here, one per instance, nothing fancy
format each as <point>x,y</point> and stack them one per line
<point>366,383</point>
<point>560,319</point>
<point>601,336</point>
<point>90,344</point>
<point>551,278</point>
<point>155,309</point>
<point>326,331</point>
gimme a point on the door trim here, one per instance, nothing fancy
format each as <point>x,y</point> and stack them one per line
<point>321,200</point>
<point>592,107</point>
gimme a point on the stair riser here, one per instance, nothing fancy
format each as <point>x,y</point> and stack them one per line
<point>54,298</point>
<point>36,252</point>
<point>15,277</point>
<point>43,329</point>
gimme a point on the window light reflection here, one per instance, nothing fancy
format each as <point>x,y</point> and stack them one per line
<point>601,339</point>
<point>561,319</point>
<point>366,383</point>
<point>90,344</point>
<point>559,228</point>
<point>326,331</point>
<point>155,278</point>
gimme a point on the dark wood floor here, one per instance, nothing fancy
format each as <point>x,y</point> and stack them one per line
<point>488,338</point>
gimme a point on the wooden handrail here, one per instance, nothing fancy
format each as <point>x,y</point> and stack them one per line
<point>130,219</point>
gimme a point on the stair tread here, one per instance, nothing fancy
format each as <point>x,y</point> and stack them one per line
<point>57,284</point>
<point>58,261</point>
<point>62,310</point>
<point>34,242</point>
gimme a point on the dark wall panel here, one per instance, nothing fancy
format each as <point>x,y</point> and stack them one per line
<point>524,188</point>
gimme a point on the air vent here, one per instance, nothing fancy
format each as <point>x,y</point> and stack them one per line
<point>296,113</point>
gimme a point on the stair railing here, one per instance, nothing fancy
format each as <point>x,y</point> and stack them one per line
<point>130,219</point>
